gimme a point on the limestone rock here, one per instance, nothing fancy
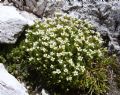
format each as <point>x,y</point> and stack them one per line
<point>40,8</point>
<point>103,15</point>
<point>12,24</point>
<point>9,85</point>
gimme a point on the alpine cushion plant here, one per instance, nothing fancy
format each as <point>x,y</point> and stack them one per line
<point>68,56</point>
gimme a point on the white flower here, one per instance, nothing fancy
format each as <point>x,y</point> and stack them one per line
<point>99,53</point>
<point>48,56</point>
<point>52,35</point>
<point>37,47</point>
<point>38,59</point>
<point>51,53</point>
<point>71,62</point>
<point>84,50</point>
<point>96,38</point>
<point>31,58</point>
<point>64,65</point>
<point>52,59</point>
<point>31,49</point>
<point>75,73</point>
<point>93,32</point>
<point>59,81</point>
<point>26,40</point>
<point>29,31</point>
<point>79,49</point>
<point>55,48</point>
<point>65,70</point>
<point>27,34</point>
<point>63,46</point>
<point>37,26</point>
<point>41,32</point>
<point>45,55</point>
<point>57,71</point>
<point>58,54</point>
<point>51,66</point>
<point>23,46</point>
<point>82,68</point>
<point>60,61</point>
<point>59,39</point>
<point>76,45</point>
<point>43,49</point>
<point>45,37</point>
<point>52,43</point>
<point>83,38</point>
<point>69,78</point>
<point>44,65</point>
<point>35,43</point>
<point>28,50</point>
<point>46,44</point>
<point>37,54</point>
<point>70,53</point>
<point>89,54</point>
<point>80,58</point>
<point>98,34</point>
<point>64,34</point>
<point>51,46</point>
<point>59,26</point>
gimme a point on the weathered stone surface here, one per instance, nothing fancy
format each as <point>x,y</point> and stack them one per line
<point>104,16</point>
<point>9,85</point>
<point>12,23</point>
<point>38,7</point>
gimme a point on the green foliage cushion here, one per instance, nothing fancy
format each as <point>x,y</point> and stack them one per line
<point>66,54</point>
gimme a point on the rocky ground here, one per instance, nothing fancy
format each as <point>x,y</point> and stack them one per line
<point>104,16</point>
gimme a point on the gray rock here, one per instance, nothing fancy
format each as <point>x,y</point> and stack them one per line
<point>104,16</point>
<point>9,85</point>
<point>40,8</point>
<point>12,24</point>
